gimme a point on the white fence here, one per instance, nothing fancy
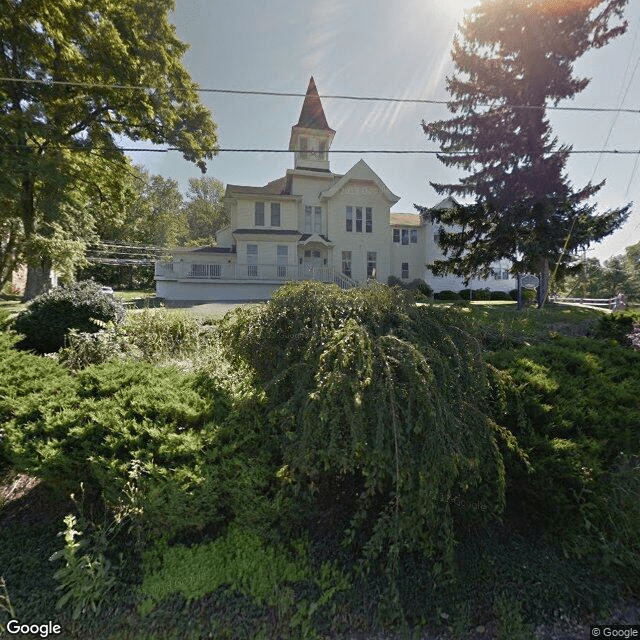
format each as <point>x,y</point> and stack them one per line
<point>617,303</point>
<point>249,272</point>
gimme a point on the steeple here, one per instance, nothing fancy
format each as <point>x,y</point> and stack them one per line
<point>312,136</point>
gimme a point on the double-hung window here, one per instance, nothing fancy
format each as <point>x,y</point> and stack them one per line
<point>259,214</point>
<point>252,260</point>
<point>317,220</point>
<point>358,219</point>
<point>414,236</point>
<point>349,219</point>
<point>275,214</point>
<point>396,235</point>
<point>368,220</point>
<point>346,263</point>
<point>308,228</point>
<point>405,236</point>
<point>282,259</point>
<point>405,270</point>
<point>371,264</point>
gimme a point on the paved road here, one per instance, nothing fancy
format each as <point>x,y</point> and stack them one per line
<point>204,309</point>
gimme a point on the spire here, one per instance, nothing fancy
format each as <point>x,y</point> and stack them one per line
<point>312,114</point>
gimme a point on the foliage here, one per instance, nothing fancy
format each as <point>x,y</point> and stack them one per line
<point>500,295</point>
<point>618,274</point>
<point>511,625</point>
<point>119,276</point>
<point>50,317</point>
<point>5,602</point>
<point>160,334</point>
<point>617,326</point>
<point>445,294</point>
<point>367,390</point>
<point>84,581</point>
<point>66,172</point>
<point>83,349</point>
<point>109,416</point>
<point>153,215</point>
<point>524,210</point>
<point>205,210</point>
<point>572,405</point>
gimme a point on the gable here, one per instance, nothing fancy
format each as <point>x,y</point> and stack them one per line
<point>361,179</point>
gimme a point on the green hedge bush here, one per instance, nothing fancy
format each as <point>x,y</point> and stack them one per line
<point>447,295</point>
<point>49,318</point>
<point>363,387</point>
<point>500,295</point>
<point>573,406</point>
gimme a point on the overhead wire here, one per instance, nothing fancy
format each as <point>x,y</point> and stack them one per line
<point>295,94</point>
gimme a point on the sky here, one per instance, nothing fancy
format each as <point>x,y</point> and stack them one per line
<point>387,48</point>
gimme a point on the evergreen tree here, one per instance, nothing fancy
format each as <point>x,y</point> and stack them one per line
<point>59,141</point>
<point>512,58</point>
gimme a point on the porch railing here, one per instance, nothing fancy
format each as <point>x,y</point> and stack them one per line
<point>249,272</point>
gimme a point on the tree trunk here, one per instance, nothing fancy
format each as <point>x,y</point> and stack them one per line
<point>543,287</point>
<point>38,280</point>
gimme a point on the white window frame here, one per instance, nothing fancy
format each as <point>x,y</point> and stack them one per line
<point>252,260</point>
<point>258,211</point>
<point>396,235</point>
<point>372,264</point>
<point>317,220</point>
<point>405,237</point>
<point>308,221</point>
<point>276,216</point>
<point>349,219</point>
<point>368,223</point>
<point>346,263</point>
<point>405,270</point>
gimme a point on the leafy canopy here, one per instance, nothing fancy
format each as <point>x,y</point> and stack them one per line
<point>61,140</point>
<point>511,53</point>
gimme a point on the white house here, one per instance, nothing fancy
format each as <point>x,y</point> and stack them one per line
<point>310,224</point>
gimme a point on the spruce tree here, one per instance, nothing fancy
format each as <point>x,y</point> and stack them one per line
<point>513,58</point>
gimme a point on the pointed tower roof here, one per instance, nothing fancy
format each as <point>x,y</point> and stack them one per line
<point>312,114</point>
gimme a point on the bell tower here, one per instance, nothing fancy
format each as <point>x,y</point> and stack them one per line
<point>312,136</point>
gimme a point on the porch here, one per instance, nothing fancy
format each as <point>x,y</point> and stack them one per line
<point>248,273</point>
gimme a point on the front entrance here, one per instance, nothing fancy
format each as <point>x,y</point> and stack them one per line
<point>314,262</point>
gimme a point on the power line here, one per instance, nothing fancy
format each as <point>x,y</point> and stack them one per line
<point>362,151</point>
<point>292,94</point>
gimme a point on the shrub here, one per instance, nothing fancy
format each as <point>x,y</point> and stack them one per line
<point>393,281</point>
<point>465,294</point>
<point>446,295</point>
<point>363,386</point>
<point>573,407</point>
<point>162,335</point>
<point>500,295</point>
<point>513,294</point>
<point>84,349</point>
<point>49,318</point>
<point>481,294</point>
<point>617,326</point>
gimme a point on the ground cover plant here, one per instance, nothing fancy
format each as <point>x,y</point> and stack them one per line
<point>432,460</point>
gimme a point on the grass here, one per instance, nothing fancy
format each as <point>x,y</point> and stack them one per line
<point>138,299</point>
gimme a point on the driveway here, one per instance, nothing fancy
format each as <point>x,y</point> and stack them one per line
<point>206,309</point>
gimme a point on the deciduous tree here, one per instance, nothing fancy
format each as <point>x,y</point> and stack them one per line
<point>513,58</point>
<point>205,209</point>
<point>60,141</point>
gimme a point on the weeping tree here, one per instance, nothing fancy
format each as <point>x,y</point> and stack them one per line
<point>512,59</point>
<point>377,408</point>
<point>70,71</point>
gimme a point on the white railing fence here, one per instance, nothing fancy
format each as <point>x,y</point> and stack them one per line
<point>218,271</point>
<point>617,303</point>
